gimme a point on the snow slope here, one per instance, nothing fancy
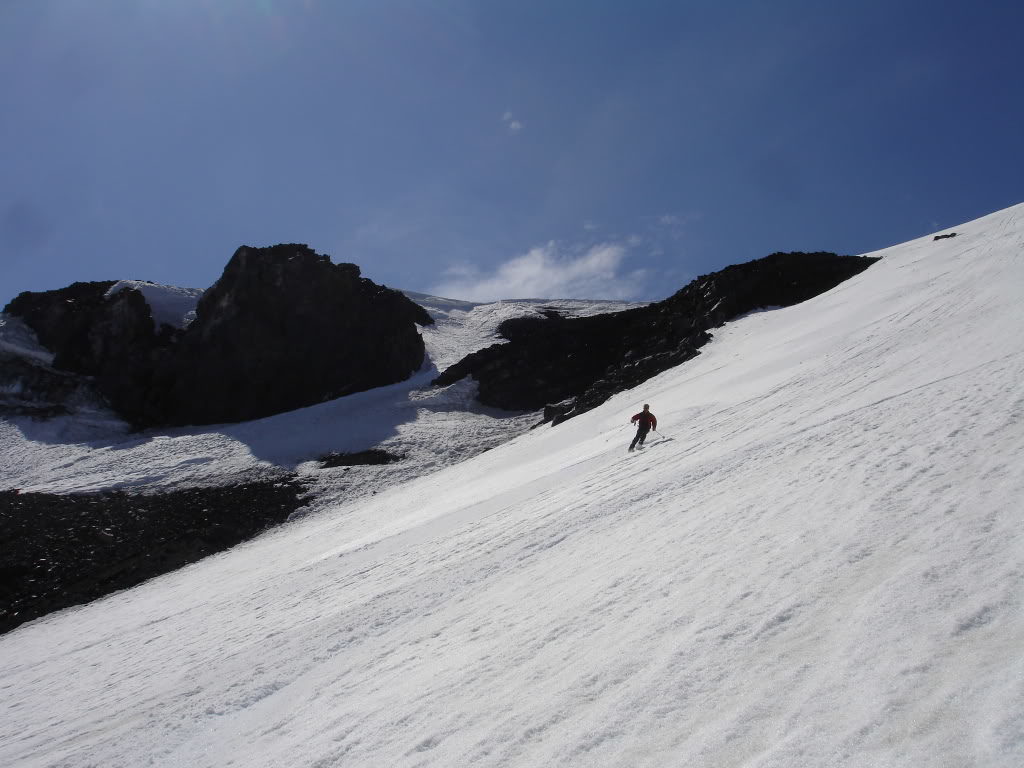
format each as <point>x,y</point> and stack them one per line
<point>819,563</point>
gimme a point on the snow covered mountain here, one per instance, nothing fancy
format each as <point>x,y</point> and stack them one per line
<point>431,428</point>
<point>817,562</point>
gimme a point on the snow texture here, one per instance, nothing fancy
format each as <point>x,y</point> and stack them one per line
<point>818,562</point>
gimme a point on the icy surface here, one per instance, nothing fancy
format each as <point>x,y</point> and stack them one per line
<point>818,563</point>
<point>168,304</point>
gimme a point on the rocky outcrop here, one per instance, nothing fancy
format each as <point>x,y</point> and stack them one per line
<point>281,329</point>
<point>98,344</point>
<point>63,320</point>
<point>358,459</point>
<point>110,338</point>
<point>578,363</point>
<point>284,328</point>
<point>29,387</point>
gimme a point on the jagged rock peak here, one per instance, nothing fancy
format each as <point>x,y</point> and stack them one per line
<point>282,328</point>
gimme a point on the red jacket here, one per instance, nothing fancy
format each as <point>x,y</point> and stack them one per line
<point>647,420</point>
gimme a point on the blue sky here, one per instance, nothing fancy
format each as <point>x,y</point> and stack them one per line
<point>485,149</point>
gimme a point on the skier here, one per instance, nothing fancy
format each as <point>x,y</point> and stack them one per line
<point>645,421</point>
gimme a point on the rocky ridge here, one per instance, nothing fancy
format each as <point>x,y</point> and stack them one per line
<point>569,365</point>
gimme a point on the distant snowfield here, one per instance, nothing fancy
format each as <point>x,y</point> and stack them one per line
<point>819,563</point>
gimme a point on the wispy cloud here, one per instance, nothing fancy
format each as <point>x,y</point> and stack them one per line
<point>675,225</point>
<point>547,272</point>
<point>513,125</point>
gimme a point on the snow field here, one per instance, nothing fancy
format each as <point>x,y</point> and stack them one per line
<point>818,563</point>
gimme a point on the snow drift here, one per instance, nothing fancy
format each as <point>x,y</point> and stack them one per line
<point>819,563</point>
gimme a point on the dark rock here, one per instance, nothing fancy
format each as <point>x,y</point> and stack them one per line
<point>79,323</point>
<point>285,328</point>
<point>63,320</point>
<point>110,341</point>
<point>29,387</point>
<point>359,458</point>
<point>581,362</point>
<point>109,338</point>
<point>65,550</point>
<point>281,329</point>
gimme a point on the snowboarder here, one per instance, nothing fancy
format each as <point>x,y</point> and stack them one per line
<point>645,421</point>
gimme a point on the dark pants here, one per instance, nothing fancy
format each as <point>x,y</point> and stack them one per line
<point>641,433</point>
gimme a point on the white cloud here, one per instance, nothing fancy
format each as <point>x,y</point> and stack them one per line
<point>545,272</point>
<point>675,225</point>
<point>514,126</point>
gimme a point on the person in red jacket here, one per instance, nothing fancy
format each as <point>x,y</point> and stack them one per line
<point>645,421</point>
